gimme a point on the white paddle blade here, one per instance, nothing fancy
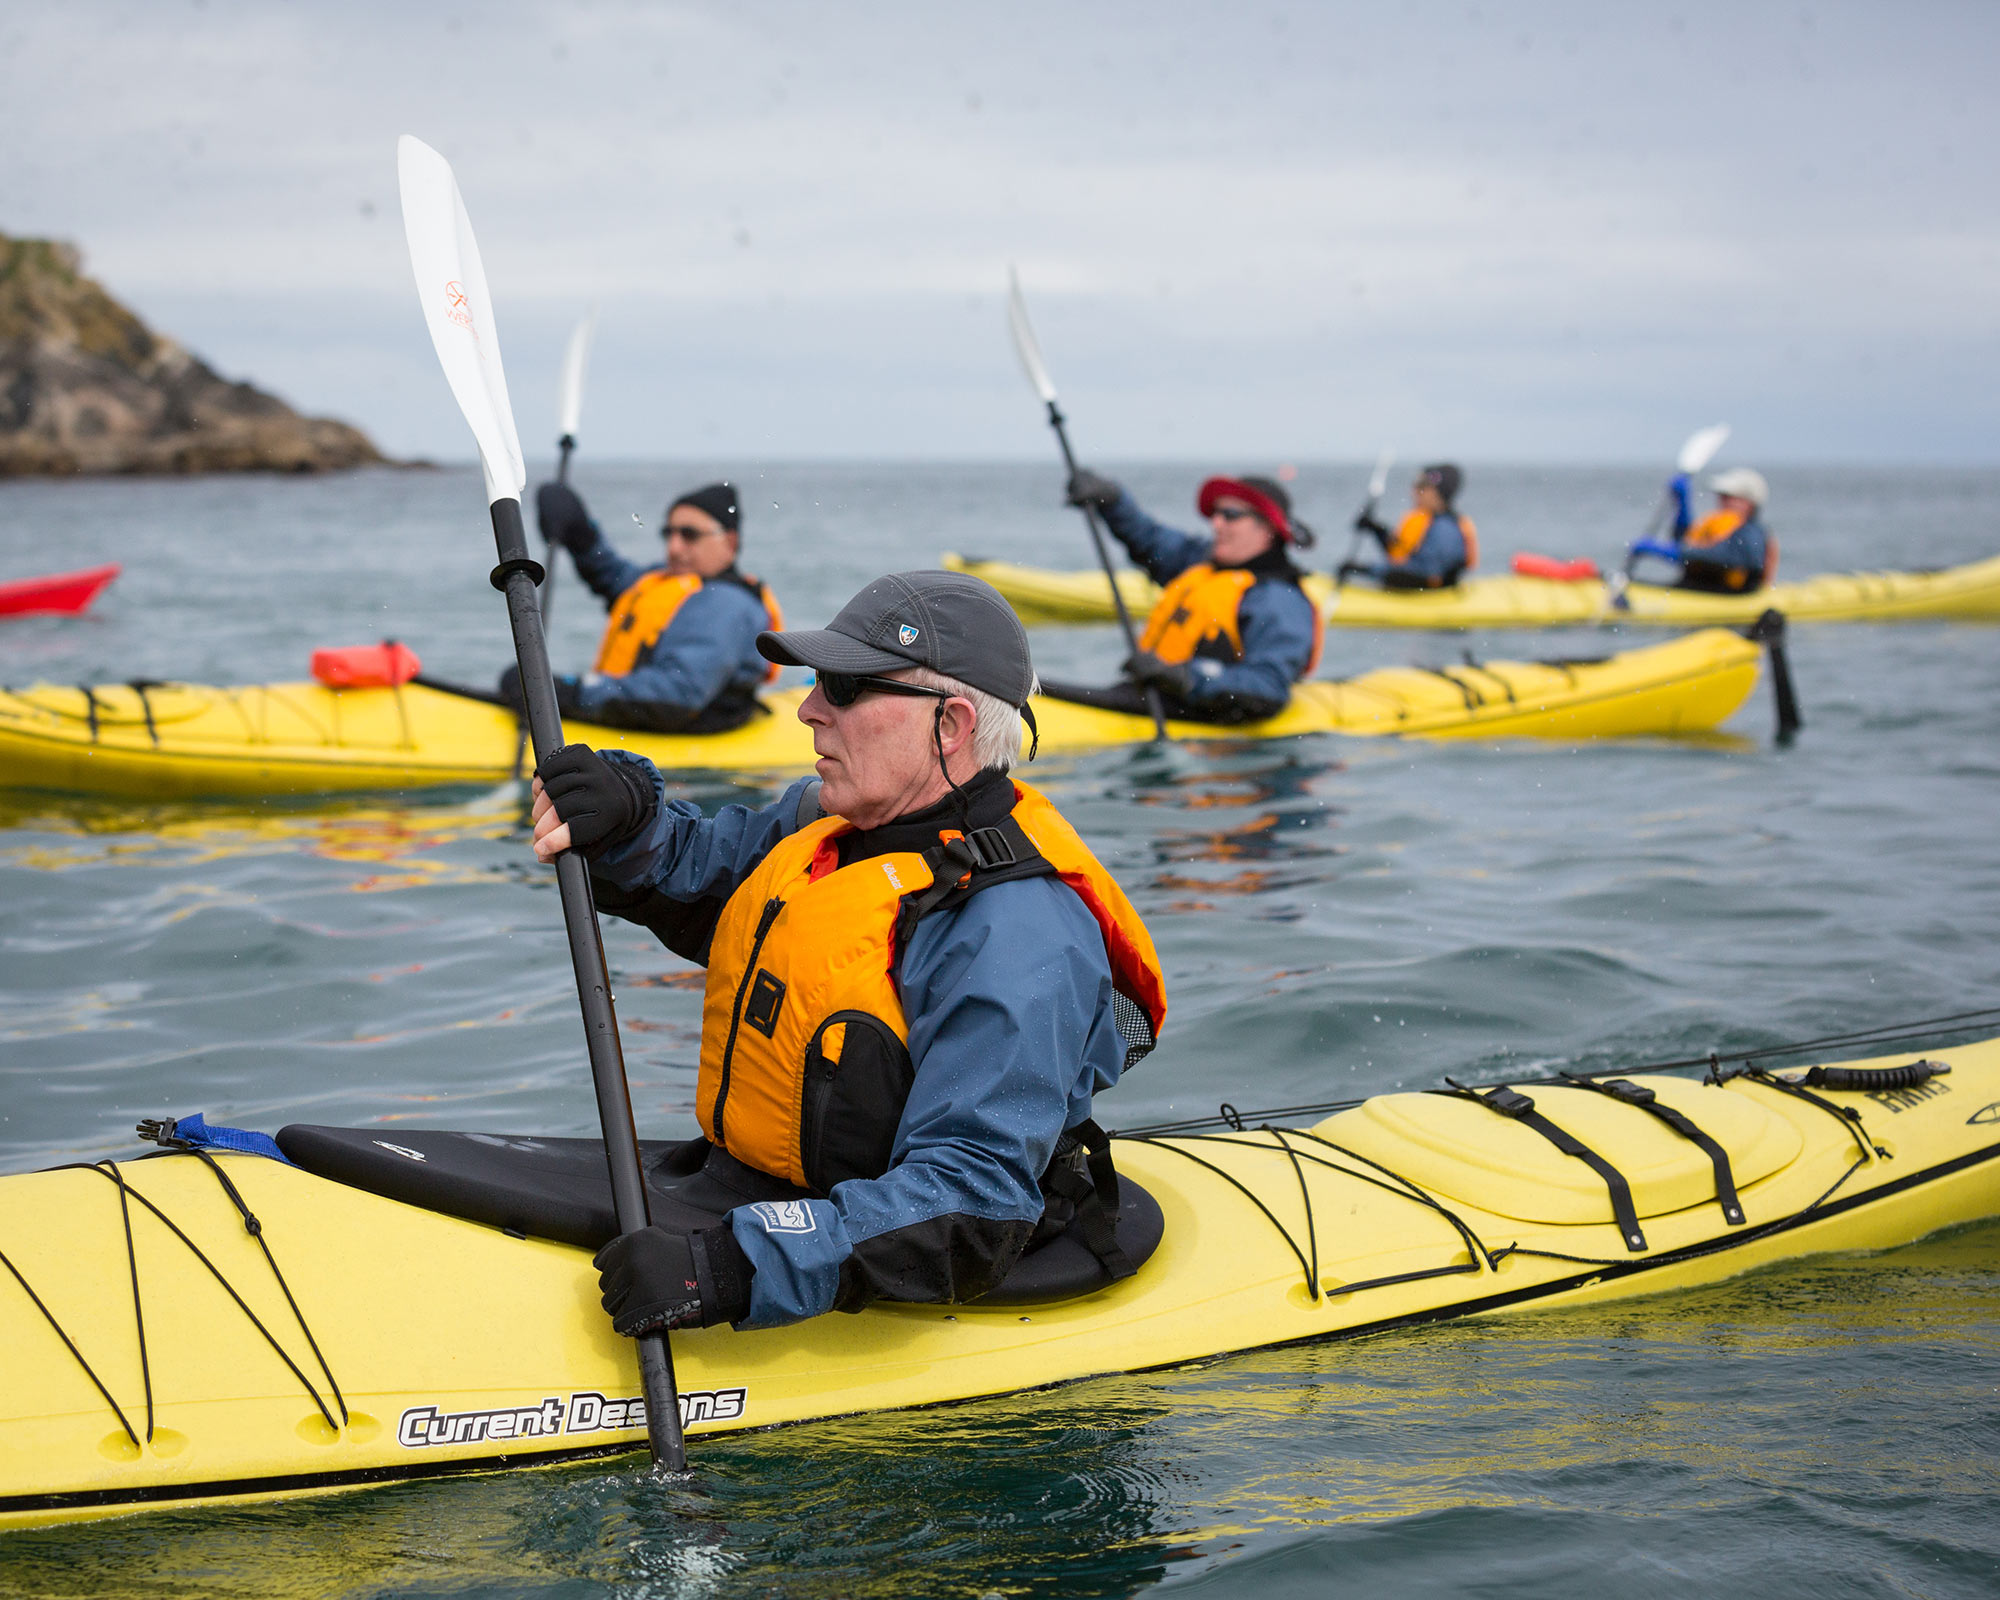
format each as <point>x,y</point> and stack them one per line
<point>451,286</point>
<point>576,359</point>
<point>1380,480</point>
<point>1701,446</point>
<point>1025,345</point>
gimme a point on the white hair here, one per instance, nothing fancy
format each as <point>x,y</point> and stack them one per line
<point>997,731</point>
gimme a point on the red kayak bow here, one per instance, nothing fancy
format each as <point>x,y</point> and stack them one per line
<point>62,593</point>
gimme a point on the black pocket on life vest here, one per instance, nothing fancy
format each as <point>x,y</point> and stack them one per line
<point>854,1100</point>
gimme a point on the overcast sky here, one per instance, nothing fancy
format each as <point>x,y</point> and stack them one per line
<point>1518,231</point>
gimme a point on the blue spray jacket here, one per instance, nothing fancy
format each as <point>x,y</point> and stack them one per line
<point>709,648</point>
<point>1275,618</point>
<point>1008,1000</point>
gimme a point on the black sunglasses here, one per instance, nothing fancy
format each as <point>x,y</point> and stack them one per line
<point>842,689</point>
<point>1231,513</point>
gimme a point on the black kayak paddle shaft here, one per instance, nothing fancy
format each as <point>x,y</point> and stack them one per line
<point>1769,631</point>
<point>1110,575</point>
<point>516,577</point>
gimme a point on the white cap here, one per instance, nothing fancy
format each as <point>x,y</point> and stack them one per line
<point>1742,482</point>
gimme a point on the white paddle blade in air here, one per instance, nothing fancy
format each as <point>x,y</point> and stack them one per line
<point>1701,446</point>
<point>576,359</point>
<point>451,285</point>
<point>1380,480</point>
<point>1025,345</point>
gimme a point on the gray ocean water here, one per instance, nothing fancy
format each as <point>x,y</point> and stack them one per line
<point>1337,917</point>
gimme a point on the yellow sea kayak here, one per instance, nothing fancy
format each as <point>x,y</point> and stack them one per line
<point>154,1356</point>
<point>1969,593</point>
<point>186,741</point>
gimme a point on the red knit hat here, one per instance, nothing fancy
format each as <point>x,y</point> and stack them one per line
<point>1262,495</point>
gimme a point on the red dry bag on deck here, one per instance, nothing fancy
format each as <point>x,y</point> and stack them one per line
<point>366,666</point>
<point>1529,565</point>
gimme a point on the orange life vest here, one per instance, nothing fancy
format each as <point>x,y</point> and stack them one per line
<point>805,1062</point>
<point>1410,535</point>
<point>641,614</point>
<point>1718,526</point>
<point>1197,615</point>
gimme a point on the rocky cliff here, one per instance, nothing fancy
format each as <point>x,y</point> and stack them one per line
<point>85,386</point>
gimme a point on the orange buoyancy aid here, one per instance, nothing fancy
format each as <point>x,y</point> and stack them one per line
<point>1197,616</point>
<point>805,1063</point>
<point>1410,536</point>
<point>643,612</point>
<point>1718,526</point>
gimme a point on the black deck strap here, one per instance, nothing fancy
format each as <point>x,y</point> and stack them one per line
<point>1477,665</point>
<point>1629,1093</point>
<point>139,686</point>
<point>1405,1188</point>
<point>1241,1188</point>
<point>1519,1108</point>
<point>70,1344</point>
<point>138,1307</point>
<point>1473,700</point>
<point>90,707</point>
<point>1870,1078</point>
<point>1846,1116</point>
<point>1305,1200</point>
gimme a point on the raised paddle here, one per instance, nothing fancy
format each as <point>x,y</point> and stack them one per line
<point>1377,482</point>
<point>451,284</point>
<point>569,413</point>
<point>1030,351</point>
<point>1696,453</point>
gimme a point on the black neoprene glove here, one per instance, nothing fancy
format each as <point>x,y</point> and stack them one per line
<point>560,514</point>
<point>655,1279</point>
<point>1367,523</point>
<point>1087,488</point>
<point>1146,668</point>
<point>604,802</point>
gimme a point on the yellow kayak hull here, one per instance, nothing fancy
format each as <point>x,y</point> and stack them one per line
<point>1968,593</point>
<point>194,741</point>
<point>433,1327</point>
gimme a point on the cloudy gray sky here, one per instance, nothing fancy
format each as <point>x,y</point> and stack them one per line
<point>1504,231</point>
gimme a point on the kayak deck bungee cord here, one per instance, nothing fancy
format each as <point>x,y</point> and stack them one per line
<point>1969,593</point>
<point>204,1327</point>
<point>165,741</point>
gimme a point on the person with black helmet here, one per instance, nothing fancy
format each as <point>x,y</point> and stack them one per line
<point>1433,546</point>
<point>679,653</point>
<point>918,976</point>
<point>1233,631</point>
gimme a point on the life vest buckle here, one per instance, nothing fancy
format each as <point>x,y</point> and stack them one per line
<point>990,849</point>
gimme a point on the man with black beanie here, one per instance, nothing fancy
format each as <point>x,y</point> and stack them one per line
<point>679,654</point>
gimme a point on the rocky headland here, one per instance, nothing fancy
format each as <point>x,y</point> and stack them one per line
<point>86,387</point>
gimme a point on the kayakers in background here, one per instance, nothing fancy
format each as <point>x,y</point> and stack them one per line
<point>679,653</point>
<point>1728,551</point>
<point>914,919</point>
<point>1433,546</point>
<point>1234,631</point>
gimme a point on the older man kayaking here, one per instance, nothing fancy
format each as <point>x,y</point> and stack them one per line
<point>1233,631</point>
<point>918,976</point>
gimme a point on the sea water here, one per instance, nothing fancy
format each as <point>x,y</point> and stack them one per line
<point>1337,917</point>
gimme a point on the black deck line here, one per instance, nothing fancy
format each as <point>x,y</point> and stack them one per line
<point>362,1476</point>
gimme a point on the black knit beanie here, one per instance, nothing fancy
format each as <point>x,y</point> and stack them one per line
<point>717,499</point>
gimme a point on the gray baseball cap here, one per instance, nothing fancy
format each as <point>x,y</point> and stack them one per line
<point>950,622</point>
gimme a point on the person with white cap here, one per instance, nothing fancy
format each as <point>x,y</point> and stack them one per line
<point>1729,551</point>
<point>918,976</point>
<point>1233,631</point>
